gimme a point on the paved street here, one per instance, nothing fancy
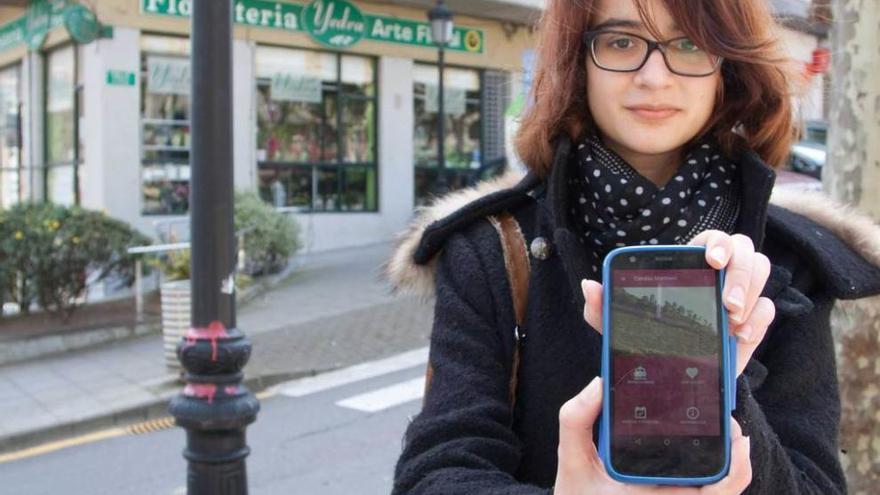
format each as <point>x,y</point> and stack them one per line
<point>337,433</point>
<point>333,312</point>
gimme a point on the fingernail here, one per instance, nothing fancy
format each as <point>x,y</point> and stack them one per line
<point>584,285</point>
<point>736,297</point>
<point>595,386</point>
<point>745,332</point>
<point>717,254</point>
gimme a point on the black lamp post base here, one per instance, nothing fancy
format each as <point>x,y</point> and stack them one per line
<point>215,409</point>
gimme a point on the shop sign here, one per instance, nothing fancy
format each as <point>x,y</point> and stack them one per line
<point>334,23</point>
<point>121,78</point>
<point>394,30</point>
<point>43,16</point>
<point>453,100</point>
<point>37,19</point>
<point>290,87</point>
<point>82,24</point>
<point>168,75</point>
<point>12,34</point>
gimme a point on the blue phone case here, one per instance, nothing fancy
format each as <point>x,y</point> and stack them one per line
<point>728,368</point>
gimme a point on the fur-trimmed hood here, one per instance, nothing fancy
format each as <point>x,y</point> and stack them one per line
<point>401,269</point>
<point>406,275</point>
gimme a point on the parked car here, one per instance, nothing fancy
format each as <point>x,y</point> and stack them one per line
<point>816,131</point>
<point>808,155</point>
<point>807,158</point>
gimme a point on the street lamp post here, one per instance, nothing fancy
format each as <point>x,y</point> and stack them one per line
<point>214,408</point>
<point>441,33</point>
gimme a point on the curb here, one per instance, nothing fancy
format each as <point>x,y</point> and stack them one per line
<point>20,351</point>
<point>147,411</point>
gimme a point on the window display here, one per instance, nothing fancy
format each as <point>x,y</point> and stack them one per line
<point>62,157</point>
<point>10,137</point>
<point>316,135</point>
<point>165,131</point>
<point>461,144</point>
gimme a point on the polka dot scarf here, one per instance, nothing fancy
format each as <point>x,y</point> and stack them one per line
<point>613,205</point>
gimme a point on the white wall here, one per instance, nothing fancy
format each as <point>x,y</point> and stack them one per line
<point>32,125</point>
<point>244,115</point>
<point>110,178</point>
<point>325,231</point>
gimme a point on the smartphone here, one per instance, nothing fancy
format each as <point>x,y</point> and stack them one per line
<point>668,367</point>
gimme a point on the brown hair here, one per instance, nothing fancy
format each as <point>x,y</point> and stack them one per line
<point>753,108</point>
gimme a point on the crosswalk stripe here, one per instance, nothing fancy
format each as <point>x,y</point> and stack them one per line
<point>386,397</point>
<point>338,378</point>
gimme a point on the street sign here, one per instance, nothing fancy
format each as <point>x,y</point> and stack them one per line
<point>121,78</point>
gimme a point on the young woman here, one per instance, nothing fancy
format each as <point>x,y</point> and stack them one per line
<point>653,122</point>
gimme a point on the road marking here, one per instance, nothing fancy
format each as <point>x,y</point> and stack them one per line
<point>384,398</point>
<point>265,394</point>
<point>338,378</point>
<point>151,426</point>
<point>62,444</point>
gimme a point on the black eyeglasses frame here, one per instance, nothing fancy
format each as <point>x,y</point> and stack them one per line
<point>590,36</point>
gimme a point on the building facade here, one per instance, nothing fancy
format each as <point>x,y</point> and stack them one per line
<point>334,107</point>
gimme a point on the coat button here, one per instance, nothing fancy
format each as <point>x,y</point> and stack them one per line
<point>540,248</point>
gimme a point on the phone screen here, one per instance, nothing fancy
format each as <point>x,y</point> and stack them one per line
<point>666,381</point>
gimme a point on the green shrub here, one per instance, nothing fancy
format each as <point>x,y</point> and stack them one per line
<point>270,237</point>
<point>49,254</point>
<point>175,265</point>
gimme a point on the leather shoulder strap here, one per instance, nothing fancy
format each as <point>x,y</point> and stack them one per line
<point>516,260</point>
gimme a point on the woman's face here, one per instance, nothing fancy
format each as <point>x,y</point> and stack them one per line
<point>651,111</point>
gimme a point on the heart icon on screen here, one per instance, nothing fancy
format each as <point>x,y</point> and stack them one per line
<point>692,372</point>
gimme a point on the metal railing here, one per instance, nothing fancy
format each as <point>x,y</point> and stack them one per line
<point>159,249</point>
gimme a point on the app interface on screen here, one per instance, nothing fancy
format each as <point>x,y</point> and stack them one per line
<point>665,364</point>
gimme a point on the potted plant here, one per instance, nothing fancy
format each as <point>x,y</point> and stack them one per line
<point>175,292</point>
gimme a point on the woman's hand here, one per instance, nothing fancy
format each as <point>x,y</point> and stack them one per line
<point>749,315</point>
<point>581,471</point>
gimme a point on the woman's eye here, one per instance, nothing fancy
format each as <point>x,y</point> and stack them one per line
<point>621,43</point>
<point>685,45</point>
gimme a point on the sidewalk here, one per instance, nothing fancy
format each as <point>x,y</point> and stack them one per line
<point>332,312</point>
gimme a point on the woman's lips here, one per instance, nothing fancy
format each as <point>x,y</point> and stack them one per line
<point>653,113</point>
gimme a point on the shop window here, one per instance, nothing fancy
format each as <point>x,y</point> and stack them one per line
<point>462,140</point>
<point>11,177</point>
<point>61,133</point>
<point>165,125</point>
<point>316,134</point>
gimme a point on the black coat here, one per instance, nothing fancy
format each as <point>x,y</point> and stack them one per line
<point>465,440</point>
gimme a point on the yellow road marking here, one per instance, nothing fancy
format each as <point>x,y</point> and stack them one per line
<point>62,444</point>
<point>265,394</point>
<point>134,429</point>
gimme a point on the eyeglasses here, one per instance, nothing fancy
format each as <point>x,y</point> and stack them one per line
<point>619,51</point>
